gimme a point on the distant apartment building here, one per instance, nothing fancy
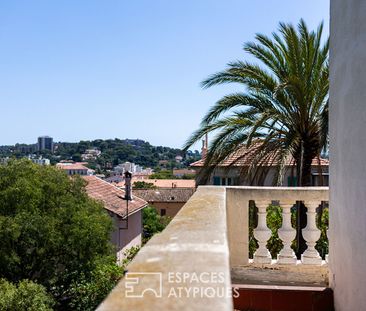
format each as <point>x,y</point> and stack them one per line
<point>23,148</point>
<point>40,161</point>
<point>91,154</point>
<point>132,168</point>
<point>45,143</point>
<point>124,167</point>
<point>178,159</point>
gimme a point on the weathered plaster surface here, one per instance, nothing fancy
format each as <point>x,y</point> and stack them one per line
<point>347,153</point>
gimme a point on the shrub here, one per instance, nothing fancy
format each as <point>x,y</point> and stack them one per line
<point>26,295</point>
<point>153,222</point>
<point>51,232</point>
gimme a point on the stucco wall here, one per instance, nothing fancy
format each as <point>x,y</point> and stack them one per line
<point>171,208</point>
<point>124,238</point>
<point>348,153</point>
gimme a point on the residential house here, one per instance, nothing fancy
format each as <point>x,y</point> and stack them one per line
<point>169,195</point>
<point>183,172</point>
<point>231,171</point>
<point>166,201</point>
<point>126,215</point>
<point>77,168</point>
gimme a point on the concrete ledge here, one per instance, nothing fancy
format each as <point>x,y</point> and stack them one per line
<point>285,194</point>
<point>194,245</point>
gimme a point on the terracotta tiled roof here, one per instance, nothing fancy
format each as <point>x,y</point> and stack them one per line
<point>112,197</point>
<point>178,195</point>
<point>183,172</point>
<point>245,156</point>
<point>71,166</point>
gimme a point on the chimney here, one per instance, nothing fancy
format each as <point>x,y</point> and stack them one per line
<point>128,186</point>
<point>204,147</point>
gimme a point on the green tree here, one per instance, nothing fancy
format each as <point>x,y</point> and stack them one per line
<point>284,105</point>
<point>51,232</point>
<point>89,290</point>
<point>143,185</point>
<point>163,174</point>
<point>25,295</point>
<point>152,222</point>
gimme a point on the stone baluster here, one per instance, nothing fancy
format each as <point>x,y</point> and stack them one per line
<point>311,235</point>
<point>262,233</point>
<point>287,234</point>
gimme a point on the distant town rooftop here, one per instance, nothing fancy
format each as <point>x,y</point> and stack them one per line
<point>167,183</point>
<point>72,166</point>
<point>164,195</point>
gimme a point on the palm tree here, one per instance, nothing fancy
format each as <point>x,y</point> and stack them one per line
<point>283,105</point>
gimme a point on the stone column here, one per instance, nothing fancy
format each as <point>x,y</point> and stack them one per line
<point>287,234</point>
<point>262,233</point>
<point>311,234</point>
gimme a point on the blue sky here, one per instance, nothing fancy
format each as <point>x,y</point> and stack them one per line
<point>129,69</point>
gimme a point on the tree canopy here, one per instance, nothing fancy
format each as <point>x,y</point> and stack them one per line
<point>51,232</point>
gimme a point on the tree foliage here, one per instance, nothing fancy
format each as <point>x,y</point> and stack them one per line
<point>162,174</point>
<point>89,290</point>
<point>51,232</point>
<point>143,185</point>
<point>25,295</point>
<point>153,222</point>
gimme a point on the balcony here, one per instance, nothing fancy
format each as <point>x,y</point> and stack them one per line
<point>201,260</point>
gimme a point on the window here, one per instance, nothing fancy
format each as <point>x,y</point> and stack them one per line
<point>163,212</point>
<point>216,180</point>
<point>292,181</point>
<point>223,181</point>
<point>229,181</point>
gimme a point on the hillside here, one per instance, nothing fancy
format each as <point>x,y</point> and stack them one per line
<point>113,152</point>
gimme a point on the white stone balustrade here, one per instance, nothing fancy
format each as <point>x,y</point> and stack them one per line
<point>262,233</point>
<point>287,234</point>
<point>238,200</point>
<point>311,235</point>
